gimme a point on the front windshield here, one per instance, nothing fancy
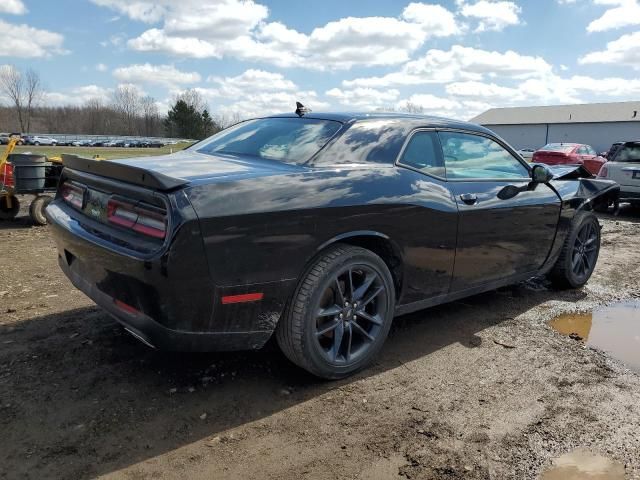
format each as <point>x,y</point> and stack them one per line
<point>290,140</point>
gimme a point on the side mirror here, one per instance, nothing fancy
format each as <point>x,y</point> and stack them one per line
<point>541,174</point>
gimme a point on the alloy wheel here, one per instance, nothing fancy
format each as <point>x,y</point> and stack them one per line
<point>351,314</point>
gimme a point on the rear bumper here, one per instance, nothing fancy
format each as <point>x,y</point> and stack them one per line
<point>155,335</point>
<point>167,299</point>
<point>629,193</point>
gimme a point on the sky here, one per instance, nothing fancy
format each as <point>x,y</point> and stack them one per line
<point>453,58</point>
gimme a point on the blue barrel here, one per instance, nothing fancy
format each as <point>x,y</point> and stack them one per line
<point>28,172</point>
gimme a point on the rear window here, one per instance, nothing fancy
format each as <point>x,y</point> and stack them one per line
<point>558,147</point>
<point>290,140</point>
<point>628,153</point>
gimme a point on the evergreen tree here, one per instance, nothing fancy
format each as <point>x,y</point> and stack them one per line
<point>184,121</point>
<point>208,127</point>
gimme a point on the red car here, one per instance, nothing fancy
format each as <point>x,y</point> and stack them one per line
<point>569,154</point>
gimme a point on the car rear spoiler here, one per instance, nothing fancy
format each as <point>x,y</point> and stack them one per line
<point>123,172</point>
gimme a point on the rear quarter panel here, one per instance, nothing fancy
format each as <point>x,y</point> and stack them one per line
<point>268,229</point>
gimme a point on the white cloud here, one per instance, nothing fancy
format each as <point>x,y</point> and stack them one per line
<point>623,51</point>
<point>239,29</point>
<point>255,93</point>
<point>252,80</point>
<point>458,63</point>
<point>101,67</point>
<point>145,11</point>
<point>165,75</point>
<point>491,15</point>
<point>364,98</point>
<point>27,42</point>
<point>436,20</point>
<point>78,95</point>
<point>14,7</point>
<point>624,13</point>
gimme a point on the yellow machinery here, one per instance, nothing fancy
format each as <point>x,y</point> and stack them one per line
<point>18,178</point>
<point>9,205</point>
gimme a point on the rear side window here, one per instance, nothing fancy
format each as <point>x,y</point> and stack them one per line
<point>468,156</point>
<point>290,140</point>
<point>424,154</point>
<point>366,141</point>
<point>628,153</point>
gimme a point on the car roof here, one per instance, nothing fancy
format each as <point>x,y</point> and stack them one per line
<point>412,120</point>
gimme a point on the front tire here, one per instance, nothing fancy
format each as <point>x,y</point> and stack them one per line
<point>579,253</point>
<point>340,314</point>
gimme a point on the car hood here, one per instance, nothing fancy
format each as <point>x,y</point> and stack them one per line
<point>569,172</point>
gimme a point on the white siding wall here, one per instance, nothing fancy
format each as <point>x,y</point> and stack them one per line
<point>599,135</point>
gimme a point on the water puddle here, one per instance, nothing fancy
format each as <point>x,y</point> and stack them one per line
<point>614,329</point>
<point>584,465</point>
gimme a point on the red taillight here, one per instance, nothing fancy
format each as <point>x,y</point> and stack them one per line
<point>6,176</point>
<point>73,194</point>
<point>141,219</point>
<point>604,172</point>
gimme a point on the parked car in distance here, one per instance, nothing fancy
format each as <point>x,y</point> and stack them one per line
<point>38,140</point>
<point>624,168</point>
<point>526,153</point>
<point>317,228</point>
<point>569,154</point>
<point>612,150</point>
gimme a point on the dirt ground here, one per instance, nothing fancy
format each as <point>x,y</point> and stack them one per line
<point>477,389</point>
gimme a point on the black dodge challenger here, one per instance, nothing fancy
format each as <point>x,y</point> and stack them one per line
<point>320,228</point>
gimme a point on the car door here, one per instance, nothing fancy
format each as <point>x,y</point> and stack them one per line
<point>506,224</point>
<point>590,159</point>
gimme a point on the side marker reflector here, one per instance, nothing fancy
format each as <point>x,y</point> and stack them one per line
<point>127,308</point>
<point>247,297</point>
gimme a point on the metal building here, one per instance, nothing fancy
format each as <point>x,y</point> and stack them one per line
<point>596,124</point>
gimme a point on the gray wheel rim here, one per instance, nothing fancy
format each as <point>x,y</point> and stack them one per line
<point>350,315</point>
<point>585,250</point>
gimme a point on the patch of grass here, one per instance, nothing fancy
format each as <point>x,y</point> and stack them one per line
<point>105,152</point>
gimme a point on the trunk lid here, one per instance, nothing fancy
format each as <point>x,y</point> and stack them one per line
<point>168,172</point>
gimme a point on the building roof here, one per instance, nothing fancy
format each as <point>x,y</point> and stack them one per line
<point>585,113</point>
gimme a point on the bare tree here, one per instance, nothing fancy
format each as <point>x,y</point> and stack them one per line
<point>150,116</point>
<point>194,99</point>
<point>126,101</point>
<point>32,93</point>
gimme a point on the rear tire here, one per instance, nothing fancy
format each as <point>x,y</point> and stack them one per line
<point>579,253</point>
<point>340,313</point>
<point>37,208</point>
<point>9,212</point>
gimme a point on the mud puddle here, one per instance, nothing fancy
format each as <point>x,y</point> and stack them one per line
<point>614,329</point>
<point>584,465</point>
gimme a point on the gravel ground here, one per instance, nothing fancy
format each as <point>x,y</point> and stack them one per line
<point>477,389</point>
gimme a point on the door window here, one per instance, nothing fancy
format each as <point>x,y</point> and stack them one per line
<point>424,154</point>
<point>468,156</point>
<point>583,151</point>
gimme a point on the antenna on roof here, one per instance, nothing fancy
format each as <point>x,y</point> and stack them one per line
<point>301,110</point>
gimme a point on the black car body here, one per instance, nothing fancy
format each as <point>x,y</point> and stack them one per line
<point>235,234</point>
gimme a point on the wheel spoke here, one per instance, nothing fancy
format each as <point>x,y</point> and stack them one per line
<point>339,290</point>
<point>350,335</point>
<point>331,327</point>
<point>351,292</point>
<point>329,311</point>
<point>363,332</point>
<point>337,340</point>
<point>372,295</point>
<point>585,260</point>
<point>362,289</point>
<point>370,318</point>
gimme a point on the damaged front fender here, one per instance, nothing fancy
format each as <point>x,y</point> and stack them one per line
<point>580,190</point>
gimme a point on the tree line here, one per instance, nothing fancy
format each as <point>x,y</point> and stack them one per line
<point>127,112</point>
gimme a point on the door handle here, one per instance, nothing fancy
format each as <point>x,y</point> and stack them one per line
<point>469,198</point>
